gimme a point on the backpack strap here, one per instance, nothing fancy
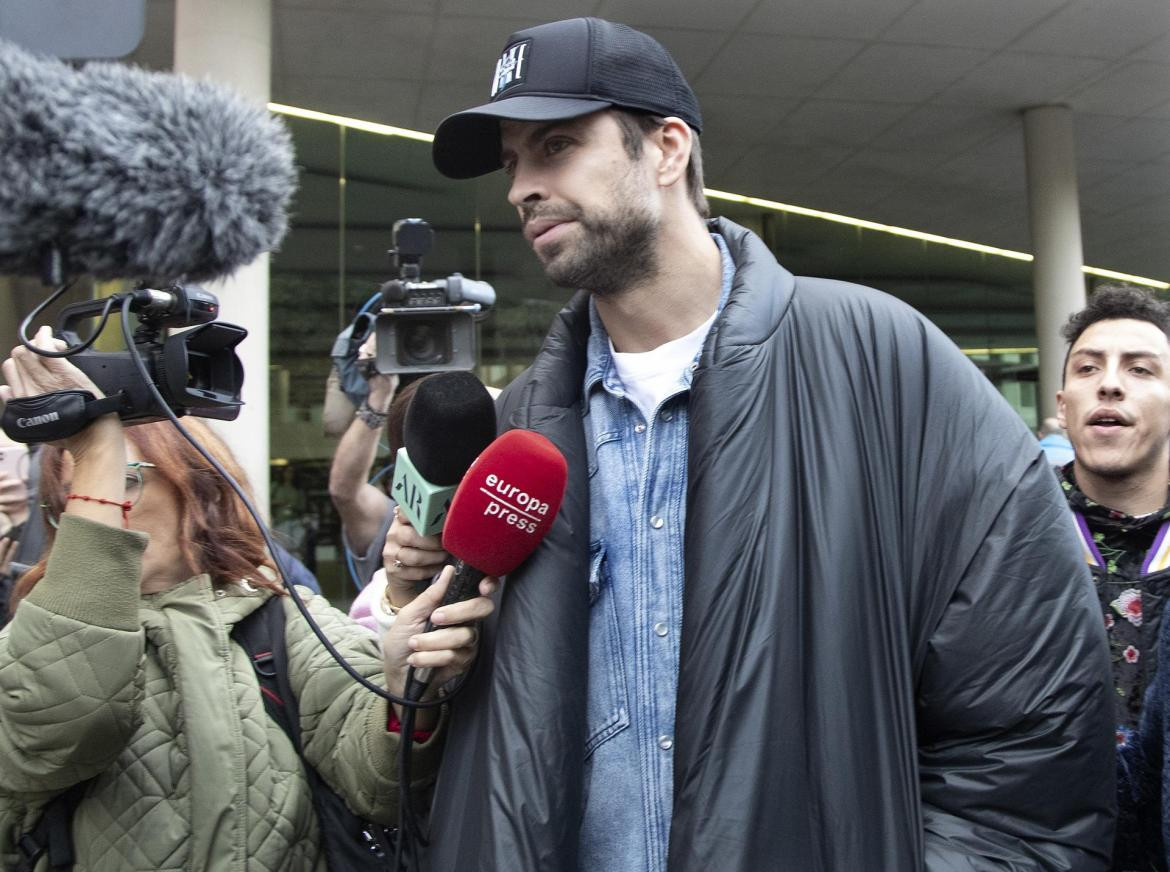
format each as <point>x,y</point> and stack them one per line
<point>348,842</point>
<point>261,635</point>
<point>53,833</point>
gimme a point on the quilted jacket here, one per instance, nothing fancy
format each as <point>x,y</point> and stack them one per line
<point>149,697</point>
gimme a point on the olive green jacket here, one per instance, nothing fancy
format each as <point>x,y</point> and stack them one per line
<point>149,697</point>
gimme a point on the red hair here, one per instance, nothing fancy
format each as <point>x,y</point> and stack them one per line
<point>216,533</point>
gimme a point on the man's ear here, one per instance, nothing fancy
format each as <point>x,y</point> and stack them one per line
<point>1060,410</point>
<point>674,140</point>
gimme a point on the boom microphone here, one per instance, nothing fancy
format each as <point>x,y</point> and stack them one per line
<point>134,174</point>
<point>450,420</point>
<point>502,510</point>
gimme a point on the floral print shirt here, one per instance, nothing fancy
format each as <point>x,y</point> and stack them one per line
<point>1131,602</point>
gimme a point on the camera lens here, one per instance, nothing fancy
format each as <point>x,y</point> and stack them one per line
<point>424,342</point>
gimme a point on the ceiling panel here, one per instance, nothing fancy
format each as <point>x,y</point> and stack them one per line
<point>465,49</point>
<point>774,66</point>
<point>989,24</point>
<point>849,123</point>
<point>1017,79</point>
<point>692,50</point>
<point>531,11</point>
<point>711,17</point>
<point>1136,141</point>
<point>1098,28</point>
<point>1129,90</point>
<point>345,43</point>
<point>889,73</point>
<point>995,166</point>
<point>853,19</point>
<point>949,129</point>
<point>782,169</point>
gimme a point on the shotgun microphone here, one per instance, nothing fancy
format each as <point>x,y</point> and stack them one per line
<point>123,173</point>
<point>501,511</point>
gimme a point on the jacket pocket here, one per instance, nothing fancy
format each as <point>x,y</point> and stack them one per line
<point>607,707</point>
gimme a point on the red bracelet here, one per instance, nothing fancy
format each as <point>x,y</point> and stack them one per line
<point>125,505</point>
<point>393,725</point>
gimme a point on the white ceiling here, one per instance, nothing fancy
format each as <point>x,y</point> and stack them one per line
<point>900,111</point>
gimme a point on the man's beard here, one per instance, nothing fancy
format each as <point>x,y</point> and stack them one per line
<point>612,252</point>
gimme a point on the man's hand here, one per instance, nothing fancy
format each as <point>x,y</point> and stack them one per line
<point>409,559</point>
<point>382,387</point>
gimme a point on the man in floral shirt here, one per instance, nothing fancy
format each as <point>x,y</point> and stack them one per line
<point>1115,405</point>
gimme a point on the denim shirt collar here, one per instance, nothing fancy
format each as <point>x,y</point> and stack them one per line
<point>599,365</point>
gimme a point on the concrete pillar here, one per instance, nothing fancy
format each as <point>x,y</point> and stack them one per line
<point>1058,284</point>
<point>231,41</point>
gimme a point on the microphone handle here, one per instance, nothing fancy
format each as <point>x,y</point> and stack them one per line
<point>464,585</point>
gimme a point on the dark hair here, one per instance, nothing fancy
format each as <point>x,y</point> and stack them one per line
<point>635,126</point>
<point>396,415</point>
<point>1113,303</point>
<point>216,533</point>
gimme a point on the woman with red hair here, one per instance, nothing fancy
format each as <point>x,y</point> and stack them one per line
<point>118,669</point>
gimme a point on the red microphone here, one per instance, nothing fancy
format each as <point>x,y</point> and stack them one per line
<point>502,509</point>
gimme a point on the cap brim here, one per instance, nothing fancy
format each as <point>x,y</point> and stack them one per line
<point>467,144</point>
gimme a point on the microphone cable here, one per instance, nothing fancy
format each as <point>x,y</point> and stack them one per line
<point>22,330</point>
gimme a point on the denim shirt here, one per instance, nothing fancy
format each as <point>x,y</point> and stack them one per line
<point>637,498</point>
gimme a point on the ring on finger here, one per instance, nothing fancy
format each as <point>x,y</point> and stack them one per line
<point>398,564</point>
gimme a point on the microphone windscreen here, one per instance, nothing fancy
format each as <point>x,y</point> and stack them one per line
<point>506,503</point>
<point>450,420</point>
<point>135,174</point>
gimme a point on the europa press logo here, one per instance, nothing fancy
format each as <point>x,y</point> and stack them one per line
<point>507,502</point>
<point>512,67</point>
<point>512,505</point>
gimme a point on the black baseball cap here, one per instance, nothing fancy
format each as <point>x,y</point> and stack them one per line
<point>563,70</point>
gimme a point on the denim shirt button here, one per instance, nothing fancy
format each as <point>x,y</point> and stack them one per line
<point>639,428</point>
<point>666,415</point>
<point>665,743</point>
<point>656,522</point>
<point>660,629</point>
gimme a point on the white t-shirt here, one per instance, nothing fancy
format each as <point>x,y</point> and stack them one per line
<point>649,377</point>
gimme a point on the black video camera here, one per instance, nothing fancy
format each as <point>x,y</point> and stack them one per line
<point>427,326</point>
<point>197,371</point>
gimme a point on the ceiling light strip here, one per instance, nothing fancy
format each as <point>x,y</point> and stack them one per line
<point>406,133</point>
<point>991,352</point>
<point>1126,277</point>
<point>352,123</point>
<point>924,237</point>
<point>868,225</point>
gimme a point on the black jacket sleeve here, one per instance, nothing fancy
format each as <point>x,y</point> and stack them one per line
<point>1016,746</point>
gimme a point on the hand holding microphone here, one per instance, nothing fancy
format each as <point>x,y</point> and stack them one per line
<point>409,559</point>
<point>448,647</point>
<point>503,508</point>
<point>450,420</point>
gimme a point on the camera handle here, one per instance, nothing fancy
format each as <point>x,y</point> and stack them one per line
<point>56,415</point>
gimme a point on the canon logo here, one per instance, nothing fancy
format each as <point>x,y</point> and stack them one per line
<point>38,419</point>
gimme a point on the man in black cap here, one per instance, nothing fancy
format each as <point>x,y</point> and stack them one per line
<point>745,644</point>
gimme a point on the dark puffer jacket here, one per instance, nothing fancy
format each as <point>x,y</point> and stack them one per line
<point>892,657</point>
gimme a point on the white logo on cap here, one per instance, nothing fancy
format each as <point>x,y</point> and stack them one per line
<point>511,67</point>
